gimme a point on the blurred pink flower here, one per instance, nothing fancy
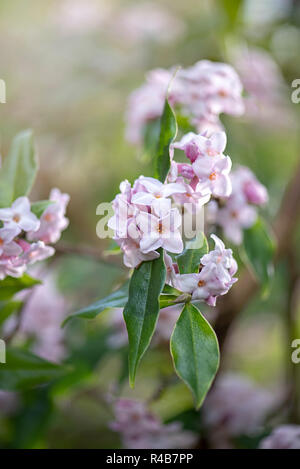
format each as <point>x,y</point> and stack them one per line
<point>53,220</point>
<point>81,16</point>
<point>43,314</point>
<point>283,437</point>
<point>235,407</point>
<point>148,21</point>
<point>139,428</point>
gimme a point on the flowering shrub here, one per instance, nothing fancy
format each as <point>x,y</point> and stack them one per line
<point>171,264</point>
<point>178,265</point>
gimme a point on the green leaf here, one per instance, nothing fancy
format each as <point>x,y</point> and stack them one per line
<point>142,310</point>
<point>231,9</point>
<point>168,131</point>
<point>195,352</point>
<point>117,299</point>
<point>19,169</point>
<point>113,249</point>
<point>167,300</point>
<point>7,308</point>
<point>168,290</point>
<point>32,420</point>
<point>10,286</point>
<point>38,208</point>
<point>189,260</point>
<point>151,137</point>
<point>23,370</point>
<point>258,252</point>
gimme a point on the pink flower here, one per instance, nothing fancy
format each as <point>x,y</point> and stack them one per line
<point>156,193</point>
<point>19,217</point>
<point>133,256</point>
<point>8,247</point>
<point>212,88</point>
<point>283,437</point>
<point>139,428</point>
<point>213,174</point>
<point>53,220</point>
<point>234,217</point>
<point>196,146</point>
<point>147,102</point>
<point>159,232</point>
<point>7,267</point>
<point>185,170</point>
<point>34,253</point>
<point>244,181</point>
<point>148,21</point>
<point>215,277</point>
<point>220,256</point>
<point>125,211</point>
<point>235,406</point>
<point>203,92</point>
<point>43,314</point>
<point>193,198</point>
<point>171,270</point>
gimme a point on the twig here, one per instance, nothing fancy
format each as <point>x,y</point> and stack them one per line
<point>88,251</point>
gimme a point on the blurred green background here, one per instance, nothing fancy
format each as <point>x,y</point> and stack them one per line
<point>69,67</point>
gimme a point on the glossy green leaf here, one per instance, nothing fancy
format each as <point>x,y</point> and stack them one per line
<point>258,252</point>
<point>151,137</point>
<point>195,352</point>
<point>189,260</point>
<point>117,299</point>
<point>168,290</point>
<point>168,131</point>
<point>142,310</point>
<point>23,370</point>
<point>19,169</point>
<point>10,286</point>
<point>167,300</point>
<point>38,208</point>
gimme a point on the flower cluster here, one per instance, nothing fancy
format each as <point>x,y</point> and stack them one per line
<point>145,220</point>
<point>235,407</point>
<point>215,277</point>
<point>140,429</point>
<point>209,169</point>
<point>238,211</point>
<point>203,92</point>
<point>23,236</point>
<point>283,437</point>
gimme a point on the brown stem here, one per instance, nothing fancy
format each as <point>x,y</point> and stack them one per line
<point>284,228</point>
<point>88,251</point>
